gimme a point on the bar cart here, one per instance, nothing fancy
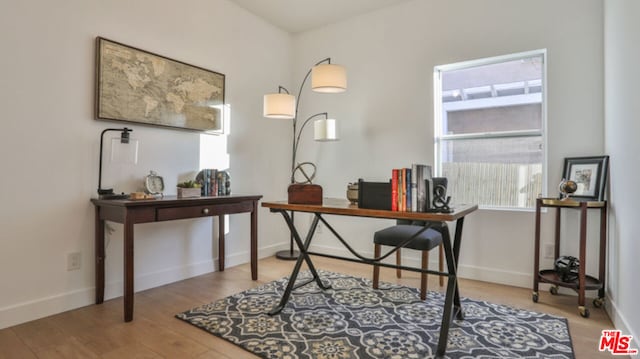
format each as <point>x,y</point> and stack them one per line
<point>583,282</point>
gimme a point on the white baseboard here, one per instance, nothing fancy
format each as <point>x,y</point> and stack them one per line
<point>619,322</point>
<point>464,271</point>
<point>43,307</point>
<point>115,288</point>
<point>523,280</point>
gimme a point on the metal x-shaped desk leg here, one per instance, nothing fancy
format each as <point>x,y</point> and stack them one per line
<point>304,256</point>
<point>452,306</point>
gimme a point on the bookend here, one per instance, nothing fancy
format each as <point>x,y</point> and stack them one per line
<point>440,199</point>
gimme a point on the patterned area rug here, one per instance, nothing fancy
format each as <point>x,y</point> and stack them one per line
<point>352,320</point>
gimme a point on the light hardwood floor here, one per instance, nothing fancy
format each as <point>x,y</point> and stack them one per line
<point>97,331</point>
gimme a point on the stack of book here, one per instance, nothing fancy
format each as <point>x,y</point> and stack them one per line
<point>214,182</point>
<point>410,188</point>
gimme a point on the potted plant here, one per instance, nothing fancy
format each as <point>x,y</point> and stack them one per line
<point>188,189</point>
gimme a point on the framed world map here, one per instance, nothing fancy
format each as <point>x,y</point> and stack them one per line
<point>133,85</point>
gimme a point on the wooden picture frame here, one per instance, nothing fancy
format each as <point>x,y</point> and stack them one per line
<point>590,173</point>
<point>138,86</point>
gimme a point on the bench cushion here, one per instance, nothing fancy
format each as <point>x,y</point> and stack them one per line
<point>394,235</point>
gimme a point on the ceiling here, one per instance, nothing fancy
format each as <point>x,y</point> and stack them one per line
<point>302,15</point>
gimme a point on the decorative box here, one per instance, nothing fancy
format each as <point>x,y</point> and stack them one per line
<point>188,192</point>
<point>305,194</point>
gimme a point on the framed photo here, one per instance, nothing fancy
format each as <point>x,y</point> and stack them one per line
<point>133,85</point>
<point>590,174</point>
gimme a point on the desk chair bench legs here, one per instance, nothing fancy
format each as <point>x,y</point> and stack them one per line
<point>424,242</point>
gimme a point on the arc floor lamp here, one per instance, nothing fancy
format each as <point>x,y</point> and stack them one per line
<point>325,78</point>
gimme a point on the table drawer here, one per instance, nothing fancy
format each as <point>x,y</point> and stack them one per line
<point>167,214</point>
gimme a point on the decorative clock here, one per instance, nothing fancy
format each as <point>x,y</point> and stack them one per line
<point>154,183</point>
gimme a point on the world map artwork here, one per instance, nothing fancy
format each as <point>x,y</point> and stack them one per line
<point>138,86</point>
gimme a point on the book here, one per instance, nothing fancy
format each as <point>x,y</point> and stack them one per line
<point>205,184</point>
<point>414,188</point>
<point>400,186</point>
<point>409,193</point>
<point>423,187</point>
<point>428,178</point>
<point>394,189</point>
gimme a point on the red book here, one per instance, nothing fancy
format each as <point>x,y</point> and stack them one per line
<point>394,189</point>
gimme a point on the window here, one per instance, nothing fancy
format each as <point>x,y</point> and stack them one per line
<point>490,129</point>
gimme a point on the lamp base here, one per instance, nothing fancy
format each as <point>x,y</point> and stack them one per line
<point>287,255</point>
<point>113,196</point>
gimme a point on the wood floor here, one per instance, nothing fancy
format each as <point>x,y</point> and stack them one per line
<point>97,331</point>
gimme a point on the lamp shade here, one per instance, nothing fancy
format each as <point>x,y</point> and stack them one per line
<point>325,130</point>
<point>279,105</point>
<point>328,78</point>
<point>124,152</point>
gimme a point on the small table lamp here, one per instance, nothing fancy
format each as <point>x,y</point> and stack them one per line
<point>124,150</point>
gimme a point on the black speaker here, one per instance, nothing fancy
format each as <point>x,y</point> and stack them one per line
<point>374,195</point>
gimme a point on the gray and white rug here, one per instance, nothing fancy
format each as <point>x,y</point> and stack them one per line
<point>352,320</point>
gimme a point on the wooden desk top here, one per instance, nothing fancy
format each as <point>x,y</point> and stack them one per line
<point>174,201</point>
<point>343,207</point>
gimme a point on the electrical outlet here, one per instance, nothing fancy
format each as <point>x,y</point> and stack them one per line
<point>73,261</point>
<point>549,251</point>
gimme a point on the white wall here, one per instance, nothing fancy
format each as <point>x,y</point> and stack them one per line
<point>50,140</point>
<point>386,115</point>
<point>622,55</point>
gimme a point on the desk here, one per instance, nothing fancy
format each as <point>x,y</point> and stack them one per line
<point>130,212</point>
<point>340,207</point>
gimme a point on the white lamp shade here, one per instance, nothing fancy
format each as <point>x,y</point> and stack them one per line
<point>279,105</point>
<point>328,78</point>
<point>325,130</point>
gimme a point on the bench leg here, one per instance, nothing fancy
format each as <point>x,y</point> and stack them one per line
<point>423,276</point>
<point>398,262</point>
<point>376,268</point>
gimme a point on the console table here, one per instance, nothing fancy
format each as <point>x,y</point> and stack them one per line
<point>452,305</point>
<point>130,212</point>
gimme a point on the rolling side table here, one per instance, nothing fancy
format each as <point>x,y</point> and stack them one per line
<point>584,281</point>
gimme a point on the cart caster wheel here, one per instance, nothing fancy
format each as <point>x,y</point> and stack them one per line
<point>584,312</point>
<point>534,297</point>
<point>598,302</point>
<point>554,290</point>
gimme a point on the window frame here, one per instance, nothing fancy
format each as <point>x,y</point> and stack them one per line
<point>440,138</point>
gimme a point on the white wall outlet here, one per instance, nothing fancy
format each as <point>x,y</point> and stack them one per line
<point>549,251</point>
<point>73,261</point>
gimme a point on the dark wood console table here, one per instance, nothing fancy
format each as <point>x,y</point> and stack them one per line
<point>130,212</point>
<point>452,304</point>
